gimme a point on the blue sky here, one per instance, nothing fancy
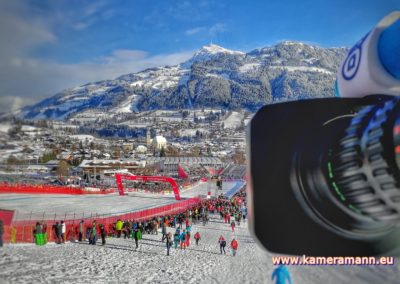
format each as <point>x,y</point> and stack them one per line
<point>50,45</point>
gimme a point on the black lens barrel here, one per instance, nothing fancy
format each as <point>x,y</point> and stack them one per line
<point>362,167</point>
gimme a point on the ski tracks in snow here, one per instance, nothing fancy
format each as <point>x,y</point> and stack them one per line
<point>120,262</point>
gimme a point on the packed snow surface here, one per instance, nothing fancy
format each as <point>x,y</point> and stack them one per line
<point>233,120</point>
<point>53,206</point>
<point>120,262</point>
<point>4,127</point>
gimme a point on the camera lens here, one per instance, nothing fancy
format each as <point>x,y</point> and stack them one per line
<point>362,170</point>
<point>349,179</point>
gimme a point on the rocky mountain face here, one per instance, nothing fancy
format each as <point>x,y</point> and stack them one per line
<point>213,77</point>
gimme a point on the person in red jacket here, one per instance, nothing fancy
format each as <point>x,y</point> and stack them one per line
<point>234,246</point>
<point>233,226</point>
<point>197,237</point>
<point>187,222</point>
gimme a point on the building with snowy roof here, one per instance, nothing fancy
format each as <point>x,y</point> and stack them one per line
<point>159,142</point>
<point>99,166</point>
<point>141,149</point>
<point>170,164</point>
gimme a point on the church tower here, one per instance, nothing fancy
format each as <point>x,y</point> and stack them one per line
<point>148,142</point>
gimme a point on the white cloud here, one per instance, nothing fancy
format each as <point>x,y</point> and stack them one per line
<point>28,80</point>
<point>80,26</point>
<point>10,103</point>
<point>25,79</point>
<point>94,7</point>
<point>217,28</point>
<point>19,35</point>
<point>94,12</point>
<point>193,31</point>
<point>126,54</point>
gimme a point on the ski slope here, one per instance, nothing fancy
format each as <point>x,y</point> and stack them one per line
<point>56,206</point>
<point>119,262</point>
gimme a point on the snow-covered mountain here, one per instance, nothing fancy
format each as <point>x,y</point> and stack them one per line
<point>209,52</point>
<point>213,77</point>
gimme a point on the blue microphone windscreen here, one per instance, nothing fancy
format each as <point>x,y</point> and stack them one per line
<point>389,49</point>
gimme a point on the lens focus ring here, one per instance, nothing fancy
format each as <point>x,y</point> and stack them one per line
<point>364,173</point>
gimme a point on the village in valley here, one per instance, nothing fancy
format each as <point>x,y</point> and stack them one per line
<point>90,147</point>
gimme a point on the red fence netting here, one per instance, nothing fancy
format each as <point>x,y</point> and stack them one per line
<point>22,231</point>
<point>6,216</point>
<point>48,189</point>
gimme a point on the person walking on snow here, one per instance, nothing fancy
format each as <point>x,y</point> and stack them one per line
<point>140,233</point>
<point>37,234</point>
<point>103,234</point>
<point>57,231</point>
<point>188,237</point>
<point>93,234</point>
<point>197,237</point>
<point>234,246</point>
<point>187,223</point>
<point>183,239</point>
<point>233,226</point>
<point>169,242</point>
<point>137,236</point>
<point>164,232</point>
<point>63,231</point>
<point>222,244</point>
<point>118,227</point>
<point>81,230</point>
<point>282,275</point>
<point>176,238</point>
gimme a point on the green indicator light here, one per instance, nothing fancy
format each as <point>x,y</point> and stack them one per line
<point>338,191</point>
<point>330,170</point>
<point>354,209</point>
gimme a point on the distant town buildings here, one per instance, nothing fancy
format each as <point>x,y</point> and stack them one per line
<point>169,165</point>
<point>159,142</point>
<point>152,142</point>
<point>141,149</point>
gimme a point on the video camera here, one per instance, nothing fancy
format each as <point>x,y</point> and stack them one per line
<point>324,174</point>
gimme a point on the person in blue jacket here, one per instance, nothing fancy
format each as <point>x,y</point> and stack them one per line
<point>183,239</point>
<point>281,273</point>
<point>177,238</point>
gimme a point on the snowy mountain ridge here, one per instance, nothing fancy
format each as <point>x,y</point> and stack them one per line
<point>213,77</point>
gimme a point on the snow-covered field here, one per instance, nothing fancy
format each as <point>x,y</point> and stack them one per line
<point>302,68</point>
<point>33,206</point>
<point>128,105</point>
<point>233,120</point>
<point>120,262</point>
<point>4,127</point>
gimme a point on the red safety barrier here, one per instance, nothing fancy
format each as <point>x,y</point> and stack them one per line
<point>22,231</point>
<point>48,189</point>
<point>120,177</point>
<point>6,216</point>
